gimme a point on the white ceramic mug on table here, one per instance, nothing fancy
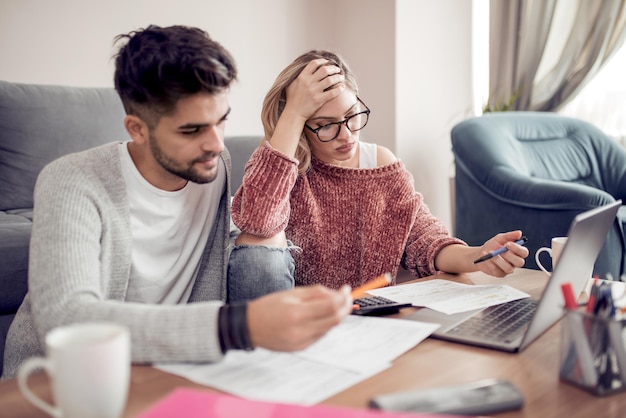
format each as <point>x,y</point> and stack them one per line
<point>89,369</point>
<point>557,244</point>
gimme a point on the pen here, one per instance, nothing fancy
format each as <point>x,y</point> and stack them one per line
<point>604,306</point>
<point>499,251</point>
<point>568,296</point>
<point>593,296</point>
<point>377,282</point>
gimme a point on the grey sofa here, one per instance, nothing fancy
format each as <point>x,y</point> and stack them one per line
<point>536,171</point>
<point>38,124</point>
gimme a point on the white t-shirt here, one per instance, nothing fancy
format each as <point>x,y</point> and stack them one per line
<point>367,155</point>
<point>169,230</point>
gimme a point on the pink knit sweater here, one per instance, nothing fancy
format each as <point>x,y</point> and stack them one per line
<point>352,224</point>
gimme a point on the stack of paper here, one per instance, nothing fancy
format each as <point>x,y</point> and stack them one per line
<point>355,350</point>
<point>450,297</point>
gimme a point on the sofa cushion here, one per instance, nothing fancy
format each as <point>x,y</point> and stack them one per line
<point>240,149</point>
<point>15,238</point>
<point>5,322</point>
<point>40,123</point>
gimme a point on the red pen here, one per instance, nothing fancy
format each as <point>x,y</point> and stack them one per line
<point>593,294</point>
<point>568,295</point>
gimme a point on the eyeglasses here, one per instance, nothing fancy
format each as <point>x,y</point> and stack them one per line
<point>356,122</point>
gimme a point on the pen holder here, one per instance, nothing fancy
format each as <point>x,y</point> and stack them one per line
<point>592,353</point>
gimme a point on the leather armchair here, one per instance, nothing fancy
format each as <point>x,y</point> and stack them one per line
<point>535,171</point>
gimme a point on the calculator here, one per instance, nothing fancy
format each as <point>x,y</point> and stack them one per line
<point>377,305</point>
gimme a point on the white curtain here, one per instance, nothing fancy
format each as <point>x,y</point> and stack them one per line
<point>520,30</point>
<point>602,101</point>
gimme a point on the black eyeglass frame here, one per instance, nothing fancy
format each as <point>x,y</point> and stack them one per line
<point>366,112</point>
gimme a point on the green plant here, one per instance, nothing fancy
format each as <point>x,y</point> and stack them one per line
<point>501,106</point>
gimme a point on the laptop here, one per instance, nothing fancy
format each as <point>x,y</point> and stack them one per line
<point>520,322</point>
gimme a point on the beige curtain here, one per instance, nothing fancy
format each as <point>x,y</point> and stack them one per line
<point>519,31</point>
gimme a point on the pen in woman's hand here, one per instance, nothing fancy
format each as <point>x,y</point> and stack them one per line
<point>499,251</point>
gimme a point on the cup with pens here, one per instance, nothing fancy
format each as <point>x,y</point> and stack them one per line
<point>592,345</point>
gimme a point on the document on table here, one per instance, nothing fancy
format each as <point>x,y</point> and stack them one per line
<point>450,297</point>
<point>356,349</point>
<point>362,342</point>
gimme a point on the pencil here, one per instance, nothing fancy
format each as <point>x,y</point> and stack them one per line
<point>377,282</point>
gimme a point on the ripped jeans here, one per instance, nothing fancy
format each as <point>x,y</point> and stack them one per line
<point>256,270</point>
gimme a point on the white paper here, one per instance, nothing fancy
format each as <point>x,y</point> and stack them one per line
<point>450,297</point>
<point>356,349</point>
<point>360,342</point>
<point>273,377</point>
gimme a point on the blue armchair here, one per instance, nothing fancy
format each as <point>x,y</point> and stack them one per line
<point>535,171</point>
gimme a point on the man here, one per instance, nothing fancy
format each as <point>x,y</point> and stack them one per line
<point>138,232</point>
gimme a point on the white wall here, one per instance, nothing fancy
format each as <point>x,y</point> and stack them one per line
<point>71,41</point>
<point>434,91</point>
<point>411,58</point>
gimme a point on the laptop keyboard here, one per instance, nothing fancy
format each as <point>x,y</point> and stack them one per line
<point>500,323</point>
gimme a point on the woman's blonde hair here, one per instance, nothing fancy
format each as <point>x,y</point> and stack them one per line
<point>275,99</point>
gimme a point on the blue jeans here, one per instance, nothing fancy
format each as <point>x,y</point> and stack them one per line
<point>256,270</point>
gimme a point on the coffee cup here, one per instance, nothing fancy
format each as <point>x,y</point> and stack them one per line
<point>89,369</point>
<point>557,244</point>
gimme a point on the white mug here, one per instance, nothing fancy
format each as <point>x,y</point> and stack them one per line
<point>557,244</point>
<point>89,369</point>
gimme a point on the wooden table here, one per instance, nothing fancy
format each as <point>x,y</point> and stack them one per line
<point>429,364</point>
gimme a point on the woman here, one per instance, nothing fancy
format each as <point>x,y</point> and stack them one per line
<point>350,206</point>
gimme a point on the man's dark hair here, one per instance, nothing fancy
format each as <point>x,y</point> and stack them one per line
<point>158,66</point>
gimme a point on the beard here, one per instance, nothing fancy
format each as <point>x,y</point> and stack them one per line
<point>187,171</point>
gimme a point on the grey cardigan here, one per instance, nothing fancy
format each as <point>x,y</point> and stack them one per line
<point>79,266</point>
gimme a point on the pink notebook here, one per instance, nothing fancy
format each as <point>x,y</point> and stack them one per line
<point>194,403</point>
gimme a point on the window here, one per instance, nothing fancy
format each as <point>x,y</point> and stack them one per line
<point>602,101</point>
